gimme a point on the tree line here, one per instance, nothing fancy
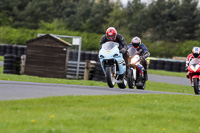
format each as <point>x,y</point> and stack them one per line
<point>171,20</point>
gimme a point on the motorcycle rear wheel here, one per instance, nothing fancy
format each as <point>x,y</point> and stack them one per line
<point>141,87</point>
<point>143,84</point>
<point>196,86</point>
<point>131,82</point>
<point>110,77</point>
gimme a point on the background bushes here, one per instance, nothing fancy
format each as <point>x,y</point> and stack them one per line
<point>90,41</point>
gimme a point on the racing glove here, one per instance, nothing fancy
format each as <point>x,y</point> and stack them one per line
<point>146,54</point>
<point>123,50</point>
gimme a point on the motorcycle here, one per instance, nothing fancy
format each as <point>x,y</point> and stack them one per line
<point>194,69</point>
<point>135,76</point>
<point>113,64</point>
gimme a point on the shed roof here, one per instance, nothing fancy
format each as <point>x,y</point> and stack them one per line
<point>50,36</point>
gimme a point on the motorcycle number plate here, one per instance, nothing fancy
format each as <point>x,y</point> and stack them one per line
<point>108,52</point>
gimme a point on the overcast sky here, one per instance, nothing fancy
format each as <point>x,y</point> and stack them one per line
<point>124,2</point>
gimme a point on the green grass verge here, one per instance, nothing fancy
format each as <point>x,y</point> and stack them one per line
<point>102,114</point>
<point>167,73</point>
<point>1,58</point>
<point>149,85</point>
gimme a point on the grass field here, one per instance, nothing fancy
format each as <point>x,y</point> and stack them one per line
<point>102,114</point>
<point>167,73</point>
<point>149,85</point>
<point>133,113</point>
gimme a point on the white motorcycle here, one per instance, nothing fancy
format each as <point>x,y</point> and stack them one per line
<point>113,64</point>
<point>135,76</point>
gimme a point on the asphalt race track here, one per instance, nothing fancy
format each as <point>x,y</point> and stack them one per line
<point>169,79</point>
<point>10,90</point>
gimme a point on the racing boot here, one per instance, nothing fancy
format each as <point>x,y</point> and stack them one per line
<point>145,75</point>
<point>188,75</point>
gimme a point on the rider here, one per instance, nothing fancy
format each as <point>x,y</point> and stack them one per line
<point>195,54</point>
<point>112,35</point>
<point>144,53</point>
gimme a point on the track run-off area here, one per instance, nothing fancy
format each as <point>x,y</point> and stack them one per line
<point>12,90</point>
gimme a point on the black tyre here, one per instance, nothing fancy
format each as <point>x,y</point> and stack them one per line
<point>141,87</point>
<point>82,56</point>
<point>9,65</point>
<point>110,77</point>
<point>9,71</point>
<point>71,54</point>
<point>131,83</point>
<point>176,66</point>
<point>142,83</point>
<point>21,51</point>
<point>75,56</point>
<point>88,56</point>
<point>9,56</point>
<point>182,69</point>
<point>10,61</point>
<point>168,65</point>
<point>3,50</point>
<point>152,64</point>
<point>160,65</point>
<point>94,56</point>
<point>9,49</point>
<point>14,50</point>
<point>196,86</point>
<point>123,84</point>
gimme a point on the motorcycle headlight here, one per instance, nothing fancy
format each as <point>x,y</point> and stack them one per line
<point>194,67</point>
<point>135,59</point>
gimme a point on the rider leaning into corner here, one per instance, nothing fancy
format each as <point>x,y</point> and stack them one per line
<point>137,44</point>
<point>112,35</point>
<point>195,54</point>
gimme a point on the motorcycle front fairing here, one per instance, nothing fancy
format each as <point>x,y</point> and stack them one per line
<point>194,69</point>
<point>135,59</point>
<point>109,54</point>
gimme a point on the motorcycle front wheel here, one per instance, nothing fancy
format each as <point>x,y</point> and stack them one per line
<point>110,77</point>
<point>123,84</point>
<point>196,86</point>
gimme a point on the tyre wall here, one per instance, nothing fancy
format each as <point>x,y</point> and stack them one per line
<point>167,65</point>
<point>16,50</point>
<point>12,57</point>
<point>85,55</point>
<point>9,65</point>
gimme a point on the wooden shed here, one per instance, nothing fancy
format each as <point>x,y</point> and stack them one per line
<point>47,56</point>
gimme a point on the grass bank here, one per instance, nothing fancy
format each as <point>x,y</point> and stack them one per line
<point>102,114</point>
<point>167,73</point>
<point>149,85</point>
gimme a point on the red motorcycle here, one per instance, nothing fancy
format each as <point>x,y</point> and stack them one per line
<point>194,69</point>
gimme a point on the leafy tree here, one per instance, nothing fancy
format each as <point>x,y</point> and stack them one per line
<point>117,18</point>
<point>81,15</point>
<point>187,21</point>
<point>98,17</point>
<point>34,12</point>
<point>173,20</point>
<point>136,18</point>
<point>11,10</point>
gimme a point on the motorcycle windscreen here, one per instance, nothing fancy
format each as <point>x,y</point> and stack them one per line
<point>132,51</point>
<point>110,45</point>
<point>194,61</point>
